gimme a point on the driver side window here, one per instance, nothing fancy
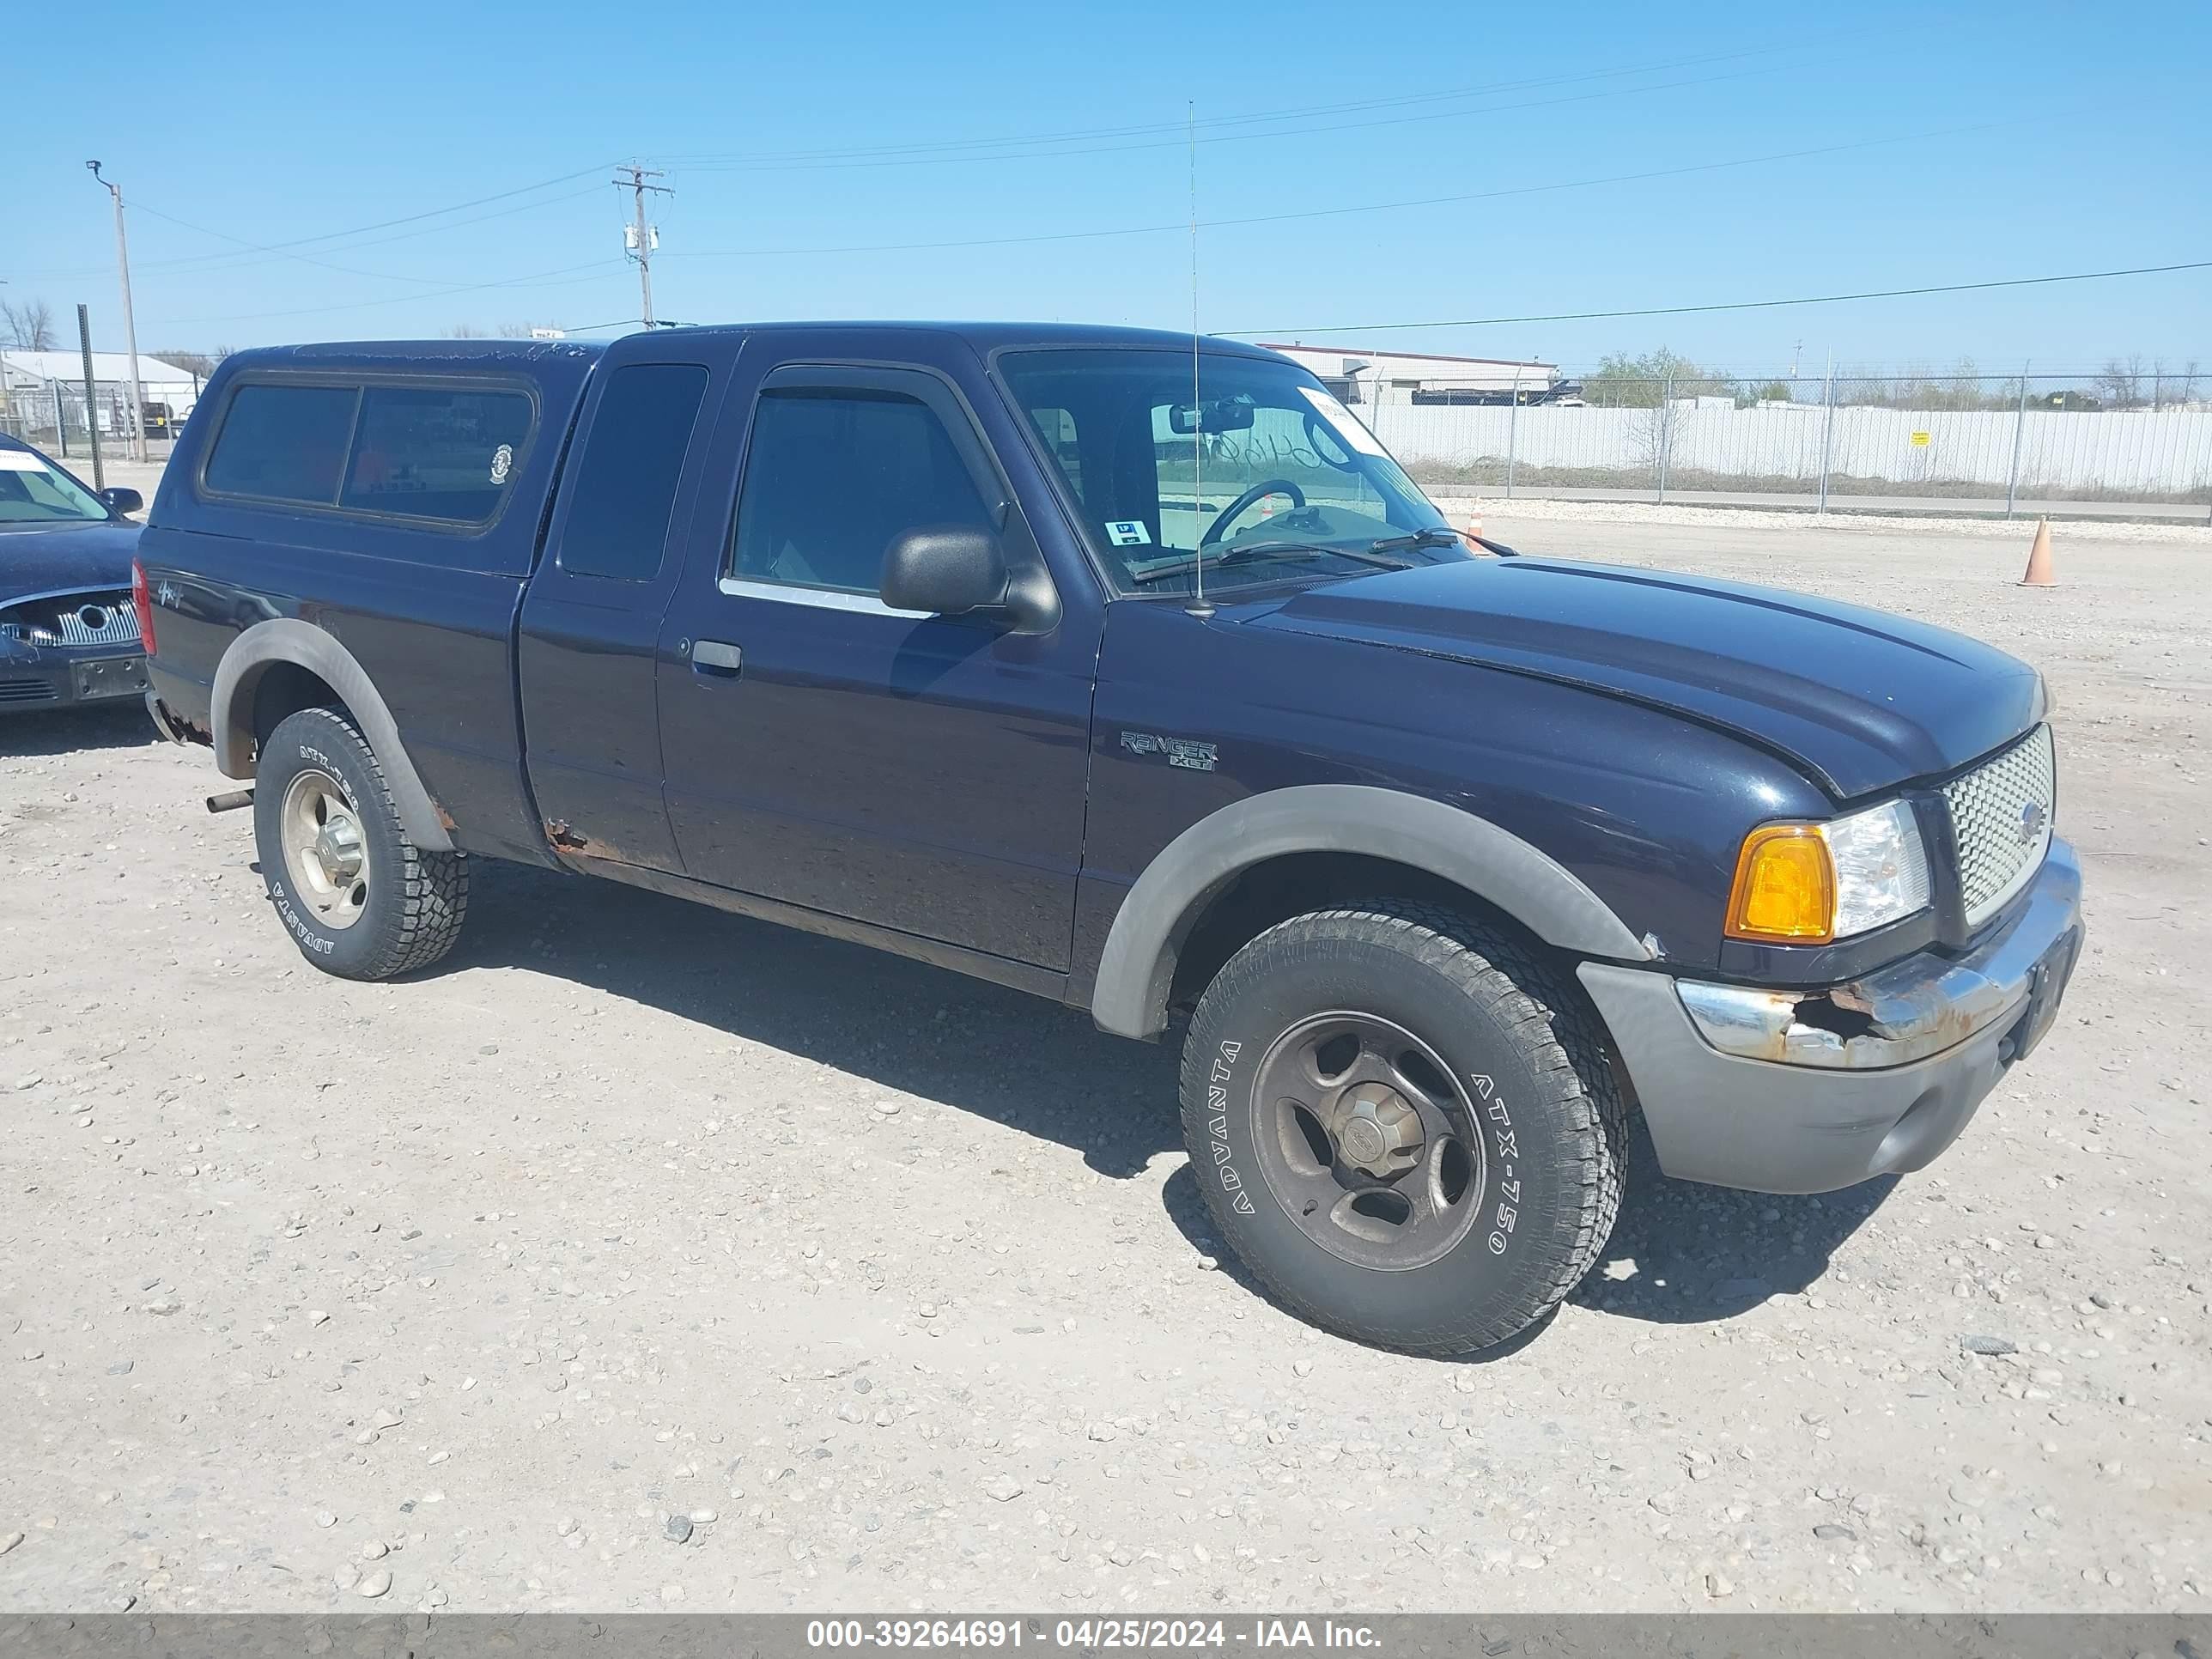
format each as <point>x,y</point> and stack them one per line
<point>833,476</point>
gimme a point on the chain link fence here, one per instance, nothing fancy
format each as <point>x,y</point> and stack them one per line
<point>50,415</point>
<point>2010,444</point>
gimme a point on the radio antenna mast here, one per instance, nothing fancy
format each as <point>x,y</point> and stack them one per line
<point>1198,607</point>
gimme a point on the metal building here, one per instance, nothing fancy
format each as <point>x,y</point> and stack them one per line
<point>1369,377</point>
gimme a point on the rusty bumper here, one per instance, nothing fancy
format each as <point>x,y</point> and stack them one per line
<point>1791,1092</point>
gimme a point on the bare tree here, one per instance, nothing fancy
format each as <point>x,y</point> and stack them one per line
<point>2173,388</point>
<point>465,332</point>
<point>201,363</point>
<point>2119,383</point>
<point>30,325</point>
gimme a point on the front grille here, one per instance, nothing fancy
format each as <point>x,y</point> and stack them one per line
<point>2000,814</point>
<point>99,622</point>
<point>26,691</point>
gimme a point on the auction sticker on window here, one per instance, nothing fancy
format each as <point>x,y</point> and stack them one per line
<point>1348,425</point>
<point>20,460</point>
<point>1127,532</point>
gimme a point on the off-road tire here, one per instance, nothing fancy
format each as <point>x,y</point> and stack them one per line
<point>416,899</point>
<point>1489,1008</point>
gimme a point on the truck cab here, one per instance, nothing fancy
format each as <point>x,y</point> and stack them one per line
<point>1129,670</point>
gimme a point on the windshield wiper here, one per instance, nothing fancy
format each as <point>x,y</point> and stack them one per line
<point>1436,535</point>
<point>1249,550</point>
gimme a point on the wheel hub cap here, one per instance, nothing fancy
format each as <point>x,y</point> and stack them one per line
<point>1377,1130</point>
<point>1368,1141</point>
<point>337,849</point>
<point>325,849</point>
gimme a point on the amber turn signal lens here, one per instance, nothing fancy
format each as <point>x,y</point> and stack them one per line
<point>1785,887</point>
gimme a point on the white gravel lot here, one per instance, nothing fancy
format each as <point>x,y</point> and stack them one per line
<point>645,1257</point>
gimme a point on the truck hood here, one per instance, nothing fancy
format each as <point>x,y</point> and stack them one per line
<point>1860,700</point>
<point>42,559</point>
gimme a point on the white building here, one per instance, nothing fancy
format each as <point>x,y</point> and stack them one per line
<point>31,381</point>
<point>1369,377</point>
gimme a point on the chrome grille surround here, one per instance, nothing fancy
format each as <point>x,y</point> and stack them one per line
<point>2000,814</point>
<point>116,620</point>
<point>85,619</point>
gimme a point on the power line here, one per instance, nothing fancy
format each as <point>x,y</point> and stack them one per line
<point>208,264</point>
<point>538,279</point>
<point>205,259</point>
<point>305,259</point>
<point>1732,304</point>
<point>1336,212</point>
<point>868,152</point>
<point>1231,137</point>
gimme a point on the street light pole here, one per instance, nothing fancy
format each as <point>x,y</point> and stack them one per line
<point>130,328</point>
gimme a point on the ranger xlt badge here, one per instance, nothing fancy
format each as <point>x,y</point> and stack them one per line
<point>1181,751</point>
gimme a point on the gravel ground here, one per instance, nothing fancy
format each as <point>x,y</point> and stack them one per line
<point>645,1257</point>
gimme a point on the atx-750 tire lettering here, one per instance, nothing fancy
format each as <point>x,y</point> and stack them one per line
<point>1405,1125</point>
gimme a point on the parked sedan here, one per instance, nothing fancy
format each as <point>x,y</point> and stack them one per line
<point>68,627</point>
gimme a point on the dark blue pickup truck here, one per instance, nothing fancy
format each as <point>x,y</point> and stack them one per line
<point>1131,671</point>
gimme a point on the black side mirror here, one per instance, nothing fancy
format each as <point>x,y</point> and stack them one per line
<point>945,569</point>
<point>122,501</point>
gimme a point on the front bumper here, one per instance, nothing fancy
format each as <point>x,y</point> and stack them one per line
<point>1739,1089</point>
<point>47,679</point>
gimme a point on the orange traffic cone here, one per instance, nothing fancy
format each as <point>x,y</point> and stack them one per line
<point>2038,573</point>
<point>1473,529</point>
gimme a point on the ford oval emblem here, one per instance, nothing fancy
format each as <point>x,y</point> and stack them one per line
<point>2031,819</point>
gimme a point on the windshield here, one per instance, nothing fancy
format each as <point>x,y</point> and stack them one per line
<point>32,492</point>
<point>1260,477</point>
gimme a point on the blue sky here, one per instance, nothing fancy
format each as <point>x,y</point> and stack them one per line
<point>810,147</point>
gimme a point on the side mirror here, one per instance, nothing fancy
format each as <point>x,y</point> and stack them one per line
<point>122,501</point>
<point>947,570</point>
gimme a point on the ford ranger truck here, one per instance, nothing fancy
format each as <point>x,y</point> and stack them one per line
<point>1131,671</point>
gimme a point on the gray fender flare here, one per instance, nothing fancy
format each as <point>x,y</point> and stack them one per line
<point>287,640</point>
<point>1137,965</point>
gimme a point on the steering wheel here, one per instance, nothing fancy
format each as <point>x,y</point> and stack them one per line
<point>1260,491</point>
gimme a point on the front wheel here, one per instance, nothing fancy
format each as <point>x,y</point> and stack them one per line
<point>1404,1126</point>
<point>359,898</point>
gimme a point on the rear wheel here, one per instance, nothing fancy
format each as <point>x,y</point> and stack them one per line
<point>1404,1124</point>
<point>358,896</point>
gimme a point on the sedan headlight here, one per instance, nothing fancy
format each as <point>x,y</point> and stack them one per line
<point>1806,883</point>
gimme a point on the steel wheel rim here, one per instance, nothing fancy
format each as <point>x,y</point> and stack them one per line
<point>1368,1140</point>
<point>325,851</point>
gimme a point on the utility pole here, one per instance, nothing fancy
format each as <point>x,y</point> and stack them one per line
<point>130,328</point>
<point>643,238</point>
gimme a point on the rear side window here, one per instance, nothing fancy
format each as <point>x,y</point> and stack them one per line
<point>625,485</point>
<point>287,443</point>
<point>435,452</point>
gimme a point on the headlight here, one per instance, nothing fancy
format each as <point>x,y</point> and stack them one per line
<point>1806,883</point>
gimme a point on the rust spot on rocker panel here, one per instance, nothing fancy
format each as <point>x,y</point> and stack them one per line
<point>565,840</point>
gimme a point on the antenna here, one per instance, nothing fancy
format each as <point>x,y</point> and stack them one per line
<point>1198,607</point>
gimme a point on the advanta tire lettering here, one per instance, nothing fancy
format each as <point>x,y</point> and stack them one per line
<point>309,940</point>
<point>1429,1042</point>
<point>414,901</point>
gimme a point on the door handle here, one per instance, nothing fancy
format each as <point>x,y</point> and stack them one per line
<point>717,657</point>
